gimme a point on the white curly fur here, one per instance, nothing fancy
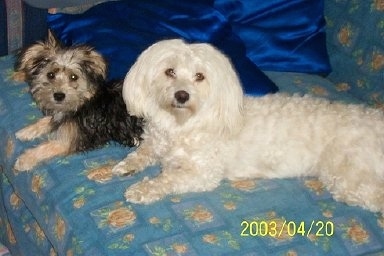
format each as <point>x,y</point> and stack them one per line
<point>219,133</point>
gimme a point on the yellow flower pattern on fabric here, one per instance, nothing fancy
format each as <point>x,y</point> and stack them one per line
<point>355,232</point>
<point>199,215</point>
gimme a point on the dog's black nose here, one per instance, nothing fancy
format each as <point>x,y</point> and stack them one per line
<point>59,96</point>
<point>182,96</point>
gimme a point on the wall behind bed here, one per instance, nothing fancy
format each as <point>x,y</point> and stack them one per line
<point>20,25</point>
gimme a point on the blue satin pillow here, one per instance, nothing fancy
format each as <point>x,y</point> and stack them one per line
<point>280,35</point>
<point>121,30</point>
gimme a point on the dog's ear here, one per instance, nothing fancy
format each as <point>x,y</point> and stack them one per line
<point>136,91</point>
<point>52,41</point>
<point>133,88</point>
<point>31,59</point>
<point>224,106</point>
<point>92,63</point>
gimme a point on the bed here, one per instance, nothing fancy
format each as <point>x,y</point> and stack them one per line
<point>73,206</point>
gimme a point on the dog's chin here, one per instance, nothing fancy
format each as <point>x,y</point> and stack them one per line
<point>181,112</point>
<point>52,107</point>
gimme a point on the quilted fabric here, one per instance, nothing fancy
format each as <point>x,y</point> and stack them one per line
<point>356,47</point>
<point>72,206</point>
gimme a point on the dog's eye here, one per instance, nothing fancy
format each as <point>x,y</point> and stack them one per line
<point>170,72</point>
<point>50,75</point>
<point>199,77</point>
<point>73,77</point>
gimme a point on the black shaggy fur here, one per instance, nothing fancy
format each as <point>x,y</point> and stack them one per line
<point>102,119</point>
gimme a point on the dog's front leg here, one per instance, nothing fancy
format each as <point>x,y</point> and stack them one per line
<point>136,161</point>
<point>47,150</point>
<point>41,127</point>
<point>175,180</point>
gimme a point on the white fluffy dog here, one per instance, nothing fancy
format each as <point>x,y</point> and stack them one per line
<point>201,129</point>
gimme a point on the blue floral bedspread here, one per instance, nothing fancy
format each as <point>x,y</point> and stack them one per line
<point>73,206</point>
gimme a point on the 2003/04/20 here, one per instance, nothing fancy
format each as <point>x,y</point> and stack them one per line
<point>274,228</point>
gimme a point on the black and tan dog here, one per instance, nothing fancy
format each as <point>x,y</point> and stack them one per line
<point>81,111</point>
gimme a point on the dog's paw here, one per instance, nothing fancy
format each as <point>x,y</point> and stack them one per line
<point>27,134</point>
<point>123,169</point>
<point>41,127</point>
<point>128,166</point>
<point>24,163</point>
<point>144,192</point>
